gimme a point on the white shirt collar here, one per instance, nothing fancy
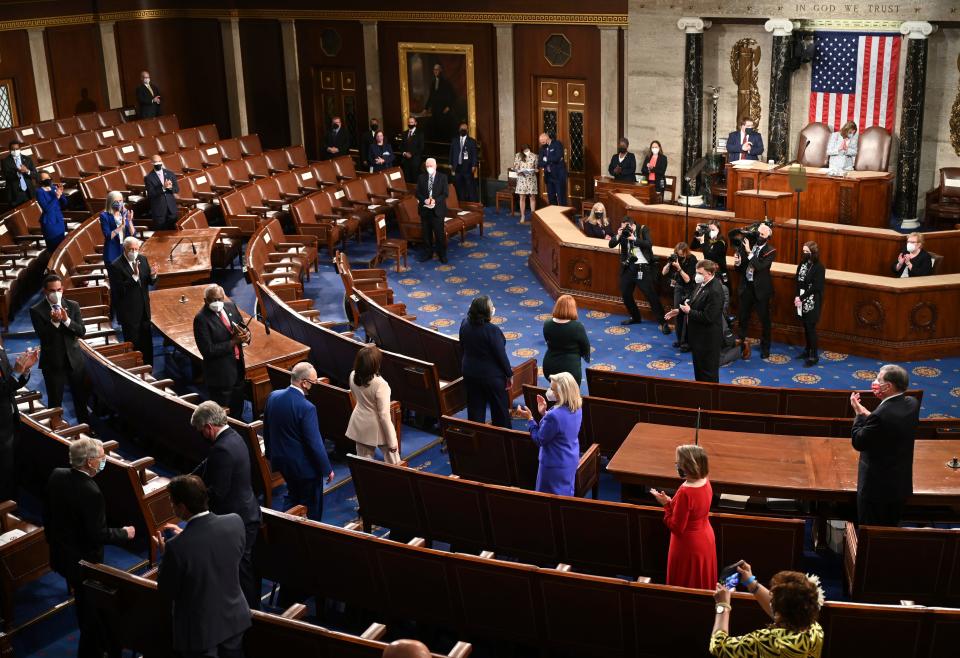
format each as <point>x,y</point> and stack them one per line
<point>895,395</point>
<point>298,389</point>
<point>222,430</point>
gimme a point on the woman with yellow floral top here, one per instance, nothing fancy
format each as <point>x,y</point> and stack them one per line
<point>793,602</point>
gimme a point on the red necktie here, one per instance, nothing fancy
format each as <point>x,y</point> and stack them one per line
<point>226,323</point>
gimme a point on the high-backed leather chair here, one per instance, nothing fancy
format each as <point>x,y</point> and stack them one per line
<point>873,149</point>
<point>813,154</point>
<point>943,203</point>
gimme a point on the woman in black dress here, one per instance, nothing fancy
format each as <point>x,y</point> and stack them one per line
<point>566,340</point>
<point>487,373</point>
<point>595,224</point>
<point>381,153</point>
<point>810,278</point>
<point>713,247</point>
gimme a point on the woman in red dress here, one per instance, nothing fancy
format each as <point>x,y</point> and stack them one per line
<point>692,560</point>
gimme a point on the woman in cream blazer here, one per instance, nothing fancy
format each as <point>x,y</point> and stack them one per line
<point>370,423</point>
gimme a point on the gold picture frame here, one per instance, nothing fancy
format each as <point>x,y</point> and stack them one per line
<point>416,69</point>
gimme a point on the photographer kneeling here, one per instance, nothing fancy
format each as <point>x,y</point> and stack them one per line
<point>637,270</point>
<point>681,267</point>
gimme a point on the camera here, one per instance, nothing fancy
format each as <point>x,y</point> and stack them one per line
<point>750,233</point>
<point>702,229</point>
<point>673,258</point>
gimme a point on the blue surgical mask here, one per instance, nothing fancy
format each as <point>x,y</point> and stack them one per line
<point>103,464</point>
<point>117,205</point>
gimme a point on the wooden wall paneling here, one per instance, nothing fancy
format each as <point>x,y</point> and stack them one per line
<point>584,63</point>
<point>483,38</point>
<point>316,53</point>
<point>15,63</point>
<point>185,59</point>
<point>264,82</point>
<point>75,60</point>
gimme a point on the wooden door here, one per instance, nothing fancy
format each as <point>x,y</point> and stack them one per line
<point>335,94</point>
<point>562,112</point>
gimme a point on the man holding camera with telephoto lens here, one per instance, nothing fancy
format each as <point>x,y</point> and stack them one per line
<point>753,259</point>
<point>637,269</point>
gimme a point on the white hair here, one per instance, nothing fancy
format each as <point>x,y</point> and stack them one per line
<point>301,371</point>
<point>208,413</point>
<point>210,290</point>
<point>130,241</point>
<point>429,160</point>
<point>83,450</point>
<point>111,197</point>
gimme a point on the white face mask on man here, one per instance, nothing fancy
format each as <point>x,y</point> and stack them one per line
<point>216,306</point>
<point>55,297</point>
<point>431,171</point>
<point>698,278</point>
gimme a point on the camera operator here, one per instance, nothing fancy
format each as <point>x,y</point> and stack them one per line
<point>704,313</point>
<point>708,240</point>
<point>753,259</point>
<point>681,267</point>
<point>637,270</point>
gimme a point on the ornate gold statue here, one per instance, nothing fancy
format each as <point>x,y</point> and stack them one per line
<point>955,118</point>
<point>744,67</point>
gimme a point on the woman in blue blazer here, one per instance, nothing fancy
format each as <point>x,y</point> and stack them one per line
<point>381,154</point>
<point>116,222</point>
<point>487,373</point>
<point>557,435</point>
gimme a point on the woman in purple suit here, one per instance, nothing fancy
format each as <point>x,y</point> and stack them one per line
<point>556,434</point>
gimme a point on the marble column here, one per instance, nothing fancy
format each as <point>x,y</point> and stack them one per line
<point>371,58</point>
<point>505,99</point>
<point>778,114</point>
<point>41,74</point>
<point>291,71</point>
<point>233,64</point>
<point>911,122</point>
<point>609,75</point>
<point>111,65</point>
<point>692,99</point>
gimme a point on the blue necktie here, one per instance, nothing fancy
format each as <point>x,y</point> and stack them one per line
<point>23,181</point>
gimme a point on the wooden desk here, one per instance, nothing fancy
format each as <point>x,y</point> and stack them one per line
<point>605,186</point>
<point>801,467</point>
<point>174,319</point>
<point>186,267</point>
<point>850,248</point>
<point>764,203</point>
<point>861,198</point>
<point>878,316</point>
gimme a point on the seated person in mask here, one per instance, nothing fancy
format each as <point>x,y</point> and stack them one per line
<point>914,260</point>
<point>623,164</point>
<point>595,224</point>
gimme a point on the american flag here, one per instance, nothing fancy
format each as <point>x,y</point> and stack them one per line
<point>855,79</point>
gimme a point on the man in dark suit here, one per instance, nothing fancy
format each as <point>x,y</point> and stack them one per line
<point>292,442</point>
<point>704,312</point>
<point>637,270</point>
<point>148,97</point>
<point>11,380</point>
<point>226,474</point>
<point>554,169</point>
<point>432,194</point>
<point>463,163</point>
<point>744,144</point>
<point>337,141</point>
<point>59,325</point>
<point>411,151</point>
<point>440,104</point>
<point>885,440</point>
<point>130,281</point>
<point>220,334</point>
<point>161,187</point>
<point>19,173</point>
<point>75,525</point>
<point>368,137</point>
<point>198,575</point>
<point>623,164</point>
<point>753,261</point>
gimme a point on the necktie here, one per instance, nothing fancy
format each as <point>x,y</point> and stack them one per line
<point>743,143</point>
<point>226,323</point>
<point>430,186</point>
<point>436,83</point>
<point>23,181</point>
<point>462,141</point>
<point>410,134</point>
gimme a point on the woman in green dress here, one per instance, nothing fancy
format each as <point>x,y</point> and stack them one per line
<point>793,602</point>
<point>566,340</point>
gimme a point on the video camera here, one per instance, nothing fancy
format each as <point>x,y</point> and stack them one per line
<point>750,233</point>
<point>702,229</point>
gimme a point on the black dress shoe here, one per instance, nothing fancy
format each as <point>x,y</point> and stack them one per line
<point>684,348</point>
<point>764,354</point>
<point>665,328</point>
<point>805,354</point>
<point>630,321</point>
<point>443,260</point>
<point>676,343</point>
<point>423,258</point>
<point>812,361</point>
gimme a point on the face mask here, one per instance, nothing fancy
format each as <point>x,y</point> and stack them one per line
<point>117,205</point>
<point>431,170</point>
<point>681,473</point>
<point>146,81</point>
<point>216,307</point>
<point>158,166</point>
<point>374,126</point>
<point>807,255</point>
<point>698,278</point>
<point>132,255</point>
<point>526,151</point>
<point>622,149</point>
<point>55,297</point>
<point>748,130</point>
<point>15,153</point>
<point>46,182</point>
<point>412,126</point>
<point>761,240</point>
<point>875,387</point>
<point>551,396</point>
<point>102,465</point>
<point>463,132</point>
<point>493,311</point>
<point>714,233</point>
<point>655,150</point>
<point>598,214</point>
<point>336,126</point>
<point>911,247</point>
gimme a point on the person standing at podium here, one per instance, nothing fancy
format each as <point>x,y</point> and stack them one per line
<point>130,281</point>
<point>219,332</point>
<point>842,149</point>
<point>623,164</point>
<point>753,261</point>
<point>744,144</point>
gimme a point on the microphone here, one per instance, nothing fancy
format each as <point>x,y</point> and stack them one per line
<point>696,433</point>
<point>175,245</point>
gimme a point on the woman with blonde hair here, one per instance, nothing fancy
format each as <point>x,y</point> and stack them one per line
<point>370,423</point>
<point>596,224</point>
<point>116,222</point>
<point>557,434</point>
<point>692,559</point>
<point>566,340</point>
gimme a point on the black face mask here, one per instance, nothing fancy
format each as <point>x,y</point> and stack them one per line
<point>761,240</point>
<point>336,126</point>
<point>463,132</point>
<point>622,149</point>
<point>681,473</point>
<point>749,131</point>
<point>374,126</point>
<point>158,166</point>
<point>412,126</point>
<point>46,182</point>
<point>598,214</point>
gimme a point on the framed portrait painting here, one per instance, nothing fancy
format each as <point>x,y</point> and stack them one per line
<point>437,87</point>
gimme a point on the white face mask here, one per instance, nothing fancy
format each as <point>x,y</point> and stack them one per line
<point>216,306</point>
<point>698,278</point>
<point>146,81</point>
<point>431,170</point>
<point>132,255</point>
<point>551,396</point>
<point>911,247</point>
<point>714,233</point>
<point>654,150</point>
<point>526,152</point>
<point>15,153</point>
<point>493,311</point>
<point>55,297</point>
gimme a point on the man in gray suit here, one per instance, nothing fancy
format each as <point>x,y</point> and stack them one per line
<point>200,575</point>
